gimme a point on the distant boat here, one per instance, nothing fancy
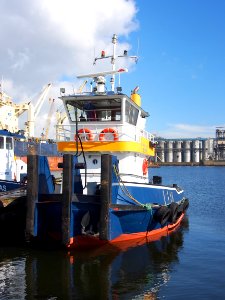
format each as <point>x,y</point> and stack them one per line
<point>39,147</point>
<point>12,170</point>
<point>14,149</point>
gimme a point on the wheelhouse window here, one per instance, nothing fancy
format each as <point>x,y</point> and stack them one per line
<point>131,113</point>
<point>98,110</point>
<point>1,142</point>
<point>9,143</point>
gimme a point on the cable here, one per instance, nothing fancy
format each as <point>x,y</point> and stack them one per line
<point>124,189</point>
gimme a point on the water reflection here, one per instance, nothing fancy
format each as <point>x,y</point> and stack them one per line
<point>135,273</point>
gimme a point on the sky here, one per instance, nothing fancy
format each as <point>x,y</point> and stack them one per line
<point>180,45</point>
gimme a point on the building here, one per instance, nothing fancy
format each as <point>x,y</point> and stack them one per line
<point>191,150</point>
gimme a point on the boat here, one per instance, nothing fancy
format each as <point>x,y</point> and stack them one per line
<point>108,196</point>
<point>45,148</point>
<point>13,171</point>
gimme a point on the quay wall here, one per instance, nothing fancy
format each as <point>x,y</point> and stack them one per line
<point>212,163</point>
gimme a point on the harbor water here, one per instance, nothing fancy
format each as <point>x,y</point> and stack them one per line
<point>188,264</point>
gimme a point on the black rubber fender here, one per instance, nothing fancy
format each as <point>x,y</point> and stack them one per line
<point>185,204</point>
<point>1,204</point>
<point>173,212</point>
<point>180,209</point>
<point>162,215</point>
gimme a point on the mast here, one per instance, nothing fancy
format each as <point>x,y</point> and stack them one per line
<point>113,62</point>
<point>113,57</point>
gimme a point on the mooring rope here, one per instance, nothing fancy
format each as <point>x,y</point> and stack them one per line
<point>124,189</point>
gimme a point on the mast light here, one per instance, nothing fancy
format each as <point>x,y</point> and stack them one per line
<point>114,39</point>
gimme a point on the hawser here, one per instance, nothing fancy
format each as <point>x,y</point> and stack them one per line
<point>112,198</point>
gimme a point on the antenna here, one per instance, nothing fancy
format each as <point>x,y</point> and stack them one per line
<point>138,46</point>
<point>113,60</point>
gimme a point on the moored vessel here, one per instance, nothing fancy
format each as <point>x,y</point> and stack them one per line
<point>107,196</point>
<point>12,170</point>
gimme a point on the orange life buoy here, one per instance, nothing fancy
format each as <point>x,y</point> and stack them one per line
<point>145,166</point>
<point>90,135</point>
<point>108,130</point>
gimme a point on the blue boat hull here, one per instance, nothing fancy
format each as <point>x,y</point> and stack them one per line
<point>117,213</point>
<point>126,222</point>
<point>6,185</point>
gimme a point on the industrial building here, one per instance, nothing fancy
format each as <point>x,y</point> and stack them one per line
<point>191,150</point>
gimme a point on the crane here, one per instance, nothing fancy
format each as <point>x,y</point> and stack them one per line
<point>10,112</point>
<point>49,118</point>
<point>60,118</point>
<point>79,91</point>
<point>34,110</point>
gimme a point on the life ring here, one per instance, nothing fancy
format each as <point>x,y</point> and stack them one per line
<point>145,166</point>
<point>108,130</point>
<point>90,135</point>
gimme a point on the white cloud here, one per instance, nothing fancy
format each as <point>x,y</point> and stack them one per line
<point>48,41</point>
<point>21,60</point>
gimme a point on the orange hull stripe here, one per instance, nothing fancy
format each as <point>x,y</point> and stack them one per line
<point>124,240</point>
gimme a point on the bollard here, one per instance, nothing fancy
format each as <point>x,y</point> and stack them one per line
<point>67,197</point>
<point>32,193</point>
<point>105,195</point>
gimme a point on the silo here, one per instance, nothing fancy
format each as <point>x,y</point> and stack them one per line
<point>205,148</point>
<point>177,157</point>
<point>169,151</point>
<point>200,150</point>
<point>160,151</point>
<point>211,147</point>
<point>187,151</point>
<point>195,151</point>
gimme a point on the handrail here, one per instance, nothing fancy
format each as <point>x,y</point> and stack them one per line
<point>125,132</point>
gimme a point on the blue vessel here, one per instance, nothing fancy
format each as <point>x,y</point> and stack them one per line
<point>107,196</point>
<point>12,169</point>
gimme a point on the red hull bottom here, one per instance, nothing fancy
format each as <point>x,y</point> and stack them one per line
<point>124,241</point>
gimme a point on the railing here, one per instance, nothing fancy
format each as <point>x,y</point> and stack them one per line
<point>24,148</point>
<point>125,132</point>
